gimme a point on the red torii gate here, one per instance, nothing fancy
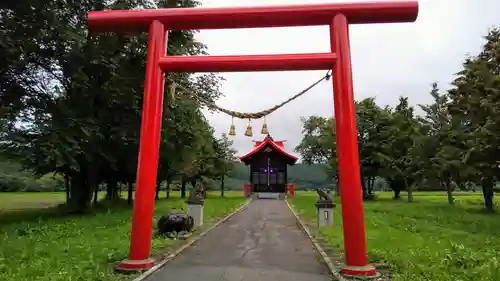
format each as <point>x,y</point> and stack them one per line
<point>338,16</point>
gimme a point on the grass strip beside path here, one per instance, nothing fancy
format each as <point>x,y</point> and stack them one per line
<point>83,247</point>
<point>423,241</point>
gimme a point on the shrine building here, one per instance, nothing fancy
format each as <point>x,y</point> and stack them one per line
<point>268,162</point>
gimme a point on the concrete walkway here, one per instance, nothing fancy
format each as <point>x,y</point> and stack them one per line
<point>262,242</point>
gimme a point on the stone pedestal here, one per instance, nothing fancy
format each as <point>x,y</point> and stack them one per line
<point>325,212</point>
<point>196,212</point>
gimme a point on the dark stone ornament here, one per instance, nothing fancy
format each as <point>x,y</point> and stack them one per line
<point>196,196</point>
<point>325,200</point>
<point>174,224</point>
<point>323,195</point>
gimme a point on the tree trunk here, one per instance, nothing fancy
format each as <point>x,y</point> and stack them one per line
<point>183,188</point>
<point>80,195</point>
<point>371,183</point>
<point>368,190</point>
<point>410,193</point>
<point>363,186</point>
<point>397,184</point>
<point>67,188</point>
<point>222,185</point>
<point>337,187</point>
<point>158,185</point>
<point>487,184</point>
<point>397,194</point>
<point>409,188</point>
<point>449,191</point>
<point>111,190</point>
<point>460,184</point>
<point>168,189</point>
<point>130,192</point>
<point>96,194</point>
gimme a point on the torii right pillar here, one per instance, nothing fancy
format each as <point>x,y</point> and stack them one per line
<point>347,152</point>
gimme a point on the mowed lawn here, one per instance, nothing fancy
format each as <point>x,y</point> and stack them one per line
<point>428,240</point>
<point>40,244</point>
<point>28,200</point>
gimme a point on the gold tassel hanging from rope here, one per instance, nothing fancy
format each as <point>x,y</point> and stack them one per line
<point>248,131</point>
<point>232,129</point>
<point>264,129</point>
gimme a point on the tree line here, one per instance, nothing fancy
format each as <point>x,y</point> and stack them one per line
<point>454,144</point>
<point>70,102</point>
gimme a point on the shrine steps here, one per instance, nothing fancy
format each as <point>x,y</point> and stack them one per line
<point>269,195</point>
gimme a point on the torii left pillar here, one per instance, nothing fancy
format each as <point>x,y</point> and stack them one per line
<point>147,167</point>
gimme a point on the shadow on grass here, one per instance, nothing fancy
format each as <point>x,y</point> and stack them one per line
<point>467,216</point>
<point>60,211</point>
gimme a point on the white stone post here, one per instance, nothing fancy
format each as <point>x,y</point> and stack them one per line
<point>196,212</point>
<point>325,212</point>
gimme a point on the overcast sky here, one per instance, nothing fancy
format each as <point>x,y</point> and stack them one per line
<point>389,60</point>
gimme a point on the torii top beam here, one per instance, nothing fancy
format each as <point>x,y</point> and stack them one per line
<point>253,17</point>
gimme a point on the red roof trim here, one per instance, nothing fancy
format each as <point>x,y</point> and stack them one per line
<point>262,144</point>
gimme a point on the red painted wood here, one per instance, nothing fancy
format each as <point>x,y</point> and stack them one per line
<point>320,61</point>
<point>251,17</point>
<point>351,197</point>
<point>147,167</point>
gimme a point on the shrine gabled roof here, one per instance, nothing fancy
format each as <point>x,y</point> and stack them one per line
<point>278,145</point>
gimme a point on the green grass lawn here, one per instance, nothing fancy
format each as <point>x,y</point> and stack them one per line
<point>36,200</point>
<point>428,240</point>
<point>40,245</point>
<point>25,200</point>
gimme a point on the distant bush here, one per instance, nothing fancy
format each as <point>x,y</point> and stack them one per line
<point>14,179</point>
<point>175,187</point>
<point>209,184</point>
<point>50,182</point>
<point>12,183</point>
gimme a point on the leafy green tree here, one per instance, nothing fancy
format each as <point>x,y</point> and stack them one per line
<point>71,103</point>
<point>372,124</point>
<point>318,144</point>
<point>443,150</point>
<point>475,103</point>
<point>400,149</point>
<point>225,158</point>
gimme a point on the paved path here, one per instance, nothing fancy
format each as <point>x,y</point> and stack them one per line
<point>262,242</point>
